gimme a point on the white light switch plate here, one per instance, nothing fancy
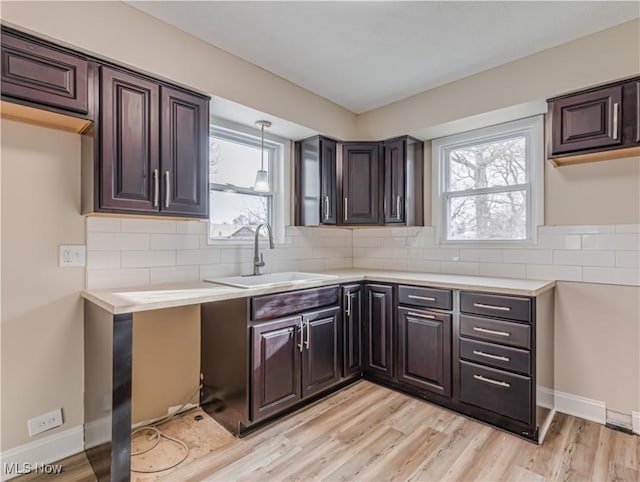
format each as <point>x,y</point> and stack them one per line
<point>72,255</point>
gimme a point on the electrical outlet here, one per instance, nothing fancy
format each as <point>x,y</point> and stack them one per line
<point>72,255</point>
<point>45,422</point>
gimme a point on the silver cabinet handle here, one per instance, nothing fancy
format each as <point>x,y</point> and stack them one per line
<point>308,342</point>
<point>156,188</point>
<point>424,298</point>
<point>616,107</point>
<point>492,381</point>
<point>490,355</point>
<point>348,312</point>
<point>346,204</point>
<point>492,307</point>
<point>398,208</point>
<point>420,315</point>
<point>326,208</point>
<point>301,335</point>
<point>491,332</point>
<point>167,193</point>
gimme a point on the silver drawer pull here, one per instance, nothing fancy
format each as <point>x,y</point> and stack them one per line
<point>493,382</point>
<point>423,298</point>
<point>326,208</point>
<point>420,315</point>
<point>489,355</point>
<point>492,307</point>
<point>615,121</point>
<point>491,332</point>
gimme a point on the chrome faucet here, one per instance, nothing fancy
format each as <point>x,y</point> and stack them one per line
<point>258,260</point>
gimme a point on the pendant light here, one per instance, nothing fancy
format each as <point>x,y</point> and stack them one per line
<point>262,177</point>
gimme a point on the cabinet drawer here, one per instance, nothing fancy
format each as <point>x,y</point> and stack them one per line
<point>498,356</point>
<point>44,75</point>
<point>427,297</point>
<point>509,307</point>
<point>268,307</point>
<point>503,332</point>
<point>501,392</point>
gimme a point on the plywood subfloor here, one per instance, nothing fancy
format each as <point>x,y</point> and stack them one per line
<point>367,432</point>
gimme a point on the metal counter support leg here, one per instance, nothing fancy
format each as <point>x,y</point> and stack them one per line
<point>121,419</point>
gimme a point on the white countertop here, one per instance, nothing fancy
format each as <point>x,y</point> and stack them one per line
<point>144,298</point>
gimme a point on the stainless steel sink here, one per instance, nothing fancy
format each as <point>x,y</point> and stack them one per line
<point>272,279</point>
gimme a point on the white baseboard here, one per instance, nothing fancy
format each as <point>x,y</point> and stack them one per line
<point>545,397</point>
<point>582,407</point>
<point>97,432</point>
<point>42,451</point>
<point>618,419</point>
<point>635,422</point>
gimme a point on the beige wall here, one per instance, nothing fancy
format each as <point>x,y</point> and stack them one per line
<point>598,343</point>
<point>606,192</point>
<point>611,54</point>
<point>42,354</point>
<point>166,360</point>
<point>117,31</point>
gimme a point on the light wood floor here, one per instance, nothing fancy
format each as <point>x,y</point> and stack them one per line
<point>367,432</point>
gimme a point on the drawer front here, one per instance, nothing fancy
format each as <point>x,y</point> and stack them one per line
<point>498,356</point>
<point>509,307</point>
<point>268,307</point>
<point>503,332</point>
<point>498,391</point>
<point>44,75</point>
<point>426,297</point>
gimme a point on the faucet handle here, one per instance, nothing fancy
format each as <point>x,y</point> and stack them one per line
<point>261,260</point>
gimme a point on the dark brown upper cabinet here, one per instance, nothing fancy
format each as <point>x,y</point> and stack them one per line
<point>316,181</point>
<point>362,172</point>
<point>153,154</point>
<point>592,124</point>
<point>379,352</point>
<point>45,84</point>
<point>403,171</point>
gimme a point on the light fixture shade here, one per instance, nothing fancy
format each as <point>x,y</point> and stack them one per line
<point>262,181</point>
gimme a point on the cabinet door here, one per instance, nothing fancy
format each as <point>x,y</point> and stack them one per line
<point>328,179</point>
<point>394,181</point>
<point>352,330</point>
<point>44,75</point>
<point>379,330</point>
<point>586,121</point>
<point>361,183</point>
<point>320,353</point>
<point>424,350</point>
<point>275,374</point>
<point>185,153</point>
<point>129,163</point>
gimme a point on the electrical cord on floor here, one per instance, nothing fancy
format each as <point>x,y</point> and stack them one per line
<point>157,435</point>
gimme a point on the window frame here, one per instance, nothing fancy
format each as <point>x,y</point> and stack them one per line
<point>532,128</point>
<point>277,149</point>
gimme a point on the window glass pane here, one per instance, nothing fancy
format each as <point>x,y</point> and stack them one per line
<point>235,216</point>
<point>496,163</point>
<point>234,163</point>
<point>495,216</point>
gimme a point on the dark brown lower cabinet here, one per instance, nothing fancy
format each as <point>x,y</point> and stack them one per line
<point>352,356</point>
<point>275,375</point>
<point>424,350</point>
<point>320,350</point>
<point>379,330</point>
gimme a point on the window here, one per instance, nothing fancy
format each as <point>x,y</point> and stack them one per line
<point>488,184</point>
<point>236,209</point>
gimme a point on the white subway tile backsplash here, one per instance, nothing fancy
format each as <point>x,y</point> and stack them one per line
<point>559,241</point>
<point>443,254</point>
<point>628,259</point>
<point>148,259</point>
<point>584,258</point>
<point>198,256</point>
<point>424,266</point>
<point>116,278</point>
<point>484,255</point>
<point>117,241</point>
<point>100,224</point>
<point>552,272</point>
<point>624,276</point>
<point>527,256</point>
<point>135,225</point>
<point>629,242</point>
<point>585,229</point>
<point>175,241</point>
<point>191,227</point>
<point>174,274</point>
<point>503,270</point>
<point>392,263</point>
<point>628,228</point>
<point>103,259</point>
<point>312,265</point>
<point>459,267</point>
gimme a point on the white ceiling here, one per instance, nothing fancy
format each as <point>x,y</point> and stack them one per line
<point>363,55</point>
